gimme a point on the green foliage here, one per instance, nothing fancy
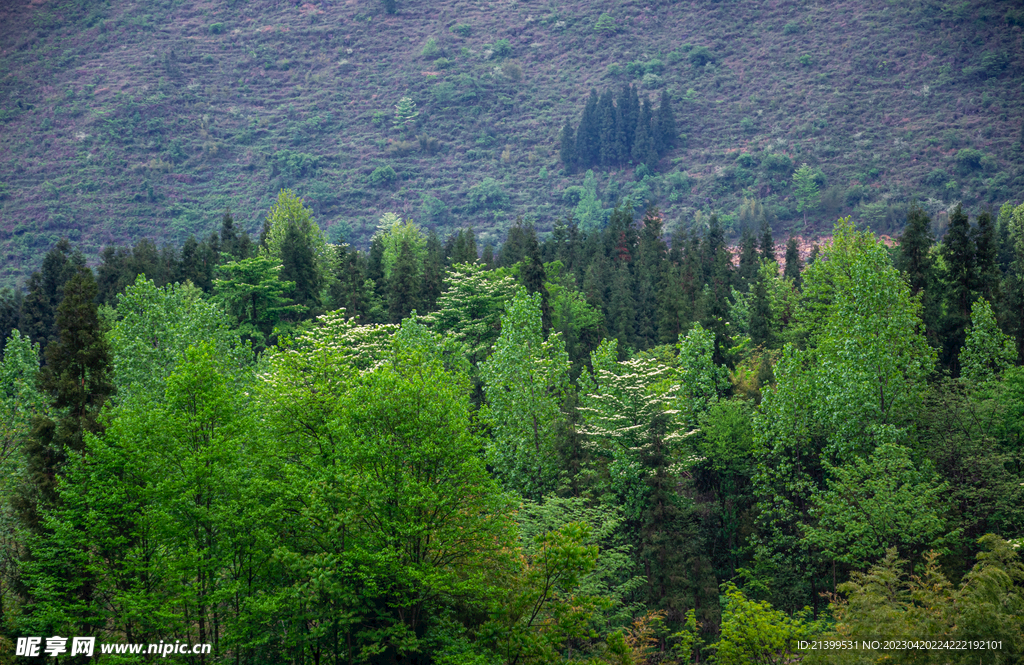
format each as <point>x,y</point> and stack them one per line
<point>525,381</point>
<point>462,29</point>
<point>805,188</point>
<point>383,176</point>
<point>606,24</point>
<point>430,50</point>
<point>987,604</point>
<point>987,351</point>
<point>754,632</point>
<point>470,308</point>
<point>876,504</point>
<point>405,113</point>
<point>488,194</point>
<point>502,48</point>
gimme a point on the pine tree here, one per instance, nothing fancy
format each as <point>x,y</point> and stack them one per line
<point>760,314</point>
<point>606,113</point>
<point>643,143</point>
<point>347,289</point>
<point>986,244</point>
<point>632,116</point>
<point>46,291</point>
<point>621,316</point>
<point>793,263</point>
<point>749,260</point>
<point>404,285</point>
<point>959,254</point>
<point>767,242</point>
<point>620,149</point>
<point>588,136</point>
<point>77,379</point>
<point>915,259</point>
<point>433,271</point>
<point>567,146</point>
<point>666,124</point>
<point>298,265</point>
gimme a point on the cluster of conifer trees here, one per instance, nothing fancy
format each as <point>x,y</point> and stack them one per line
<point>614,133</point>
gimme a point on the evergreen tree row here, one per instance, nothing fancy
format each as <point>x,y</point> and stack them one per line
<point>618,132</point>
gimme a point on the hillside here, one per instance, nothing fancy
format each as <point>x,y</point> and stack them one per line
<point>123,119</point>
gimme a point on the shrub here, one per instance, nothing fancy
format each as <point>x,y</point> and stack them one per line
<point>390,6</point>
<point>971,159</point>
<point>216,28</point>
<point>512,70</point>
<point>614,69</point>
<point>791,28</point>
<point>776,162</point>
<point>442,63</point>
<point>651,81</point>
<point>700,56</point>
<point>748,125</point>
<point>382,176</point>
<point>806,60</point>
<point>606,25</point>
<point>502,48</point>
<point>380,118</point>
<point>488,195</point>
<point>746,160</point>
<point>462,29</point>
<point>430,49</point>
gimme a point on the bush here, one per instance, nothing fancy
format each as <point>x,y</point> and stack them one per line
<point>791,28</point>
<point>746,160</point>
<point>700,56</point>
<point>462,29</point>
<point>442,63</point>
<point>606,25</point>
<point>512,70</point>
<point>748,125</point>
<point>488,195</point>
<point>502,48</point>
<point>806,60</point>
<point>430,49</point>
<point>614,69</point>
<point>382,176</point>
<point>651,81</point>
<point>776,162</point>
<point>216,28</point>
<point>969,160</point>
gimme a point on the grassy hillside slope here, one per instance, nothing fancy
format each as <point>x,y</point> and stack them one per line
<point>122,119</point>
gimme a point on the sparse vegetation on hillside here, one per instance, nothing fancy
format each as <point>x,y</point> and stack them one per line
<point>121,120</point>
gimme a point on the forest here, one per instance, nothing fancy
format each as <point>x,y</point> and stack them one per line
<point>596,446</point>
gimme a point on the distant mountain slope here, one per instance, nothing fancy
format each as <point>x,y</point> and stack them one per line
<point>122,119</point>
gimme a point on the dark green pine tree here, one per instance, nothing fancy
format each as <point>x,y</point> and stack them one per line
<point>793,264</point>
<point>716,269</point>
<point>588,136</point>
<point>749,260</point>
<point>236,246</point>
<point>620,147</point>
<point>767,241</point>
<point>45,292</point>
<point>404,285</point>
<point>161,267</point>
<point>606,114</point>
<point>347,290</point>
<point>112,274</point>
<point>596,280</point>
<point>77,379</point>
<point>674,310</point>
<point>488,256</point>
<point>193,265</point>
<point>643,142</point>
<point>631,115</point>
<point>519,243</point>
<point>665,122</point>
<point>915,259</point>
<point>621,316</point>
<point>567,146</point>
<point>10,311</point>
<point>298,265</point>
<point>760,315</point>
<point>986,253</point>
<point>961,279</point>
<point>650,264</point>
<point>433,271</point>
